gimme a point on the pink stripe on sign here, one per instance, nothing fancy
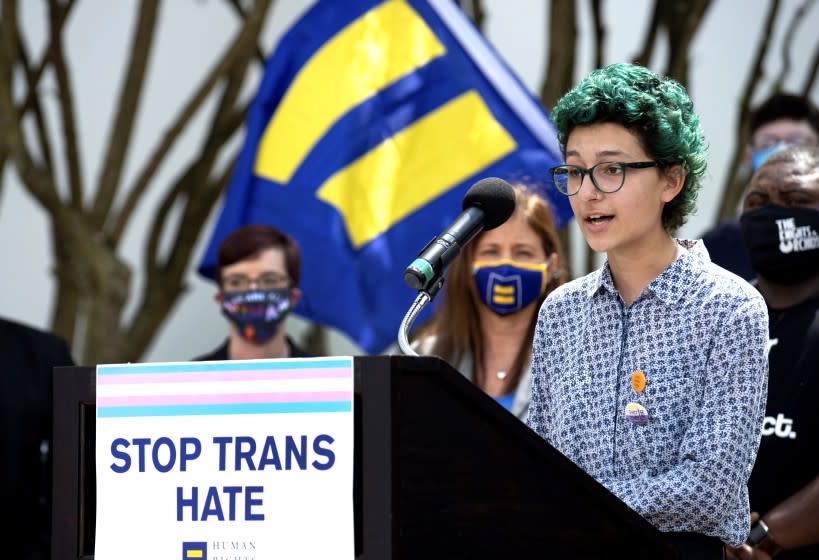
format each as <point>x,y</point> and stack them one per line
<point>223,375</point>
<point>238,398</point>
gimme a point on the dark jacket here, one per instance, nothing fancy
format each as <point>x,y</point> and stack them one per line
<point>28,357</point>
<point>221,353</point>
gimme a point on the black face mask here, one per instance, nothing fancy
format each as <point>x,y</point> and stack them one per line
<point>783,243</point>
<point>257,314</point>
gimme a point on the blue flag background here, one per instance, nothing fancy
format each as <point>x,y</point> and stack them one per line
<point>372,121</point>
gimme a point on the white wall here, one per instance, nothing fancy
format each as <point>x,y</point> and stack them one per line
<point>192,34</point>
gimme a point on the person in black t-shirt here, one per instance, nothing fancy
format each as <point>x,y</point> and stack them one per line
<point>257,270</point>
<point>780,228</point>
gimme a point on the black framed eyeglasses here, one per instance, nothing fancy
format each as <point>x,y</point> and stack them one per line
<point>265,281</point>
<point>606,176</point>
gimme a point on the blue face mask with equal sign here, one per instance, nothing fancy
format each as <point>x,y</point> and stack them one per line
<point>507,286</point>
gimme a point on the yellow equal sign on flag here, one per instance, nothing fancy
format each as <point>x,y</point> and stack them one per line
<point>374,51</point>
<point>416,165</point>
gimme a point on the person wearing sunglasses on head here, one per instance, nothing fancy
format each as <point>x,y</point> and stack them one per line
<point>257,272</point>
<point>650,373</point>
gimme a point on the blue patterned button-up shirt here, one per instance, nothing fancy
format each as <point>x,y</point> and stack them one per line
<point>699,334</point>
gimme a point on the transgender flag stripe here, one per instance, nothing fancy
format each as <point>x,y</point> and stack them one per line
<point>106,378</point>
<point>214,409</point>
<point>231,387</point>
<point>223,399</point>
<point>250,365</point>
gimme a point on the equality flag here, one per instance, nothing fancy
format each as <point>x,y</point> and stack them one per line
<point>372,120</point>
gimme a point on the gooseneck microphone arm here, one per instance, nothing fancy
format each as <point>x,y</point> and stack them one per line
<point>487,204</point>
<point>423,298</point>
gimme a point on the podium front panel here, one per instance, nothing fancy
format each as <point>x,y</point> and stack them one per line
<point>440,471</point>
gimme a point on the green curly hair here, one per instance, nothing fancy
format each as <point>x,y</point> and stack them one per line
<point>658,110</point>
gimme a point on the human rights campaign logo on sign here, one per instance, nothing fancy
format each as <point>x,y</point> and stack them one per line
<point>194,550</point>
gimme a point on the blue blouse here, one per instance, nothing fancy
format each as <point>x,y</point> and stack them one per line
<point>698,334</point>
<point>506,401</point>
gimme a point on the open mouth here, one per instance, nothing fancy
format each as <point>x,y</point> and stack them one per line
<point>598,219</point>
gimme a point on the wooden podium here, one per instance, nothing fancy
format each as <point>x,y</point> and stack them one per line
<point>441,471</point>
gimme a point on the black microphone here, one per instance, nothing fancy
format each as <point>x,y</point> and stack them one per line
<point>487,204</point>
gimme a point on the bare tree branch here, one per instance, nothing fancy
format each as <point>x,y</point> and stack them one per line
<point>93,288</point>
<point>9,42</point>
<point>125,110</point>
<point>93,282</point>
<point>599,32</point>
<point>197,195</point>
<point>164,283</point>
<point>3,158</point>
<point>787,42</point>
<point>237,6</point>
<point>244,40</point>
<point>37,109</point>
<point>57,26</point>
<point>71,143</point>
<point>65,311</point>
<point>37,179</point>
<point>477,13</point>
<point>810,78</point>
<point>681,20</point>
<point>194,181</point>
<point>732,191</point>
<point>32,102</point>
<point>650,39</point>
<point>561,52</point>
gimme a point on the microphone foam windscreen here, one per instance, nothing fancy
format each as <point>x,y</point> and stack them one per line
<point>495,197</point>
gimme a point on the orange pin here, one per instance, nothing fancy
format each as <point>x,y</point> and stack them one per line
<point>638,381</point>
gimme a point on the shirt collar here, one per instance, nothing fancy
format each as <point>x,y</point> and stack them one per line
<point>670,286</point>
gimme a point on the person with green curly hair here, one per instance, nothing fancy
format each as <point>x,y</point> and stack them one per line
<point>650,373</point>
<point>658,110</point>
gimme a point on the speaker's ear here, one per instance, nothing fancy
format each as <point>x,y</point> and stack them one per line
<point>675,180</point>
